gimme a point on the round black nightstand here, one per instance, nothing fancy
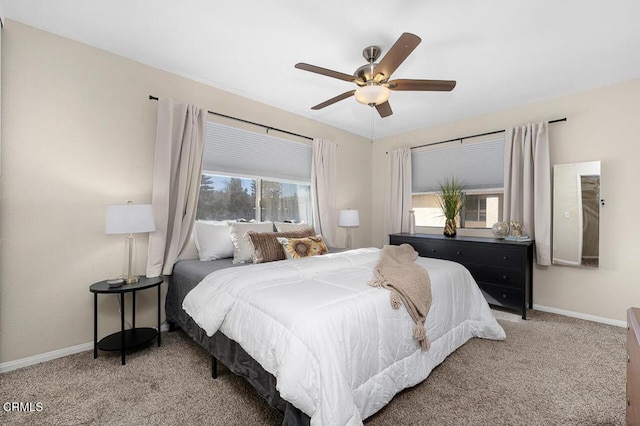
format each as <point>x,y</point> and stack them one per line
<point>133,337</point>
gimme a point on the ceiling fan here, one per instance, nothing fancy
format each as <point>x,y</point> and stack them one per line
<point>373,78</point>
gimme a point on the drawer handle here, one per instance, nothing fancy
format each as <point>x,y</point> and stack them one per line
<point>433,250</point>
<point>505,257</point>
<point>504,277</point>
<point>458,252</point>
<point>628,402</point>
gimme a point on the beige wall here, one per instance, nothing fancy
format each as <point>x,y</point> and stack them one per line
<point>603,124</point>
<point>78,134</point>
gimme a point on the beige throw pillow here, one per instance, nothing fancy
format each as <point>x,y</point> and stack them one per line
<point>290,227</point>
<point>241,248</point>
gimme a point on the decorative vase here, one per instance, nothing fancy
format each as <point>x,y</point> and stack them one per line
<point>500,230</point>
<point>412,222</point>
<point>450,228</point>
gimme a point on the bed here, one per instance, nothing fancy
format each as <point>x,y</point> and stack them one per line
<point>347,360</point>
<point>186,275</point>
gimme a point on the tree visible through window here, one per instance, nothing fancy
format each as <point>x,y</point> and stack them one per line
<point>226,198</point>
<point>236,198</point>
<point>281,201</point>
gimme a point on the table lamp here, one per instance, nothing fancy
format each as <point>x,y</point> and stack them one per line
<point>129,219</point>
<point>348,219</point>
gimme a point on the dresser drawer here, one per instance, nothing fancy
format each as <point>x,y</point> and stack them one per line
<point>486,254</point>
<point>508,297</point>
<point>494,275</point>
<point>431,248</point>
<point>466,252</point>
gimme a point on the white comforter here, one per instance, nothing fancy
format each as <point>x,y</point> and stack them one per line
<point>338,350</point>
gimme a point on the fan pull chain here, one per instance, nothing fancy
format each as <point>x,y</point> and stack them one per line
<point>373,135</point>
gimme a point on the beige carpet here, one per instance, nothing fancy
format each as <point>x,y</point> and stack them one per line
<point>551,370</point>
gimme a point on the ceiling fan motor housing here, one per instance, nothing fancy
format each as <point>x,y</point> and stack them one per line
<point>365,72</point>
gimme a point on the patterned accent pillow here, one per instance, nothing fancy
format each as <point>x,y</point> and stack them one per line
<point>265,245</point>
<point>296,248</point>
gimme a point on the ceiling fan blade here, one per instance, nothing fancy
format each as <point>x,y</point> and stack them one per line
<point>396,55</point>
<point>384,109</point>
<point>338,98</point>
<point>423,85</point>
<point>325,71</point>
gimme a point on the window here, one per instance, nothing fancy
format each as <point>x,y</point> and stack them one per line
<point>254,176</point>
<point>481,210</point>
<point>479,166</point>
<point>237,198</point>
<point>226,198</point>
<point>282,201</point>
<point>427,210</point>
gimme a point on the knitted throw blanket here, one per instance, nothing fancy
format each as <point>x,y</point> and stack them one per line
<point>408,283</point>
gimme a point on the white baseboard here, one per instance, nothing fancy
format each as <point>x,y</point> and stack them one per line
<point>48,356</point>
<point>580,315</point>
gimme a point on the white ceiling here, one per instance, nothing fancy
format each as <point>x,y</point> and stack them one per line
<point>503,53</point>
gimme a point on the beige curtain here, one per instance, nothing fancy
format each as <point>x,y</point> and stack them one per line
<point>527,184</point>
<point>323,189</point>
<point>176,182</point>
<point>398,199</point>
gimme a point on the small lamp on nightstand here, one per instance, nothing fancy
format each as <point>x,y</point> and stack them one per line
<point>348,219</point>
<point>129,219</point>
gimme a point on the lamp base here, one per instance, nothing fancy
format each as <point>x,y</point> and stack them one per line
<point>132,279</point>
<point>129,274</point>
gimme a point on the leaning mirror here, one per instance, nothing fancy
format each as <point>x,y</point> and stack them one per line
<point>576,214</point>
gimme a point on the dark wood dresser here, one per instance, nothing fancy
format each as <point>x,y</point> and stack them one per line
<point>633,366</point>
<point>502,269</point>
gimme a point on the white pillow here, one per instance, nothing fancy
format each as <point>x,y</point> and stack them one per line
<point>290,227</point>
<point>242,250</point>
<point>213,240</point>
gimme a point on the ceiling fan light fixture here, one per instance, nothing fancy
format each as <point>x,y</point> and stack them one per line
<point>374,78</point>
<point>372,94</point>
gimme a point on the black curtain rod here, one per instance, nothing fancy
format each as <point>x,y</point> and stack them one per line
<point>250,122</point>
<point>478,135</point>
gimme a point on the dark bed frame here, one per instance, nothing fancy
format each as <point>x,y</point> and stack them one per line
<point>229,353</point>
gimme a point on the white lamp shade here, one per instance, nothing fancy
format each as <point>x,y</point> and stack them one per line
<point>129,219</point>
<point>348,218</point>
<point>372,94</point>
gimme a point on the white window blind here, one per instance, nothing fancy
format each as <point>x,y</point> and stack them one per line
<point>477,165</point>
<point>236,151</point>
